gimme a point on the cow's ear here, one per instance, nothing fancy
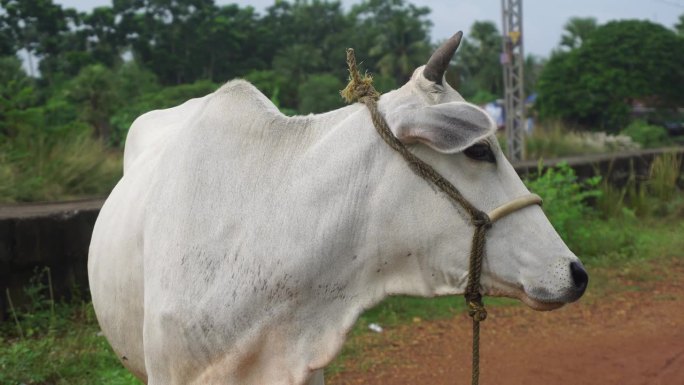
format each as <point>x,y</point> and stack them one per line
<point>447,128</point>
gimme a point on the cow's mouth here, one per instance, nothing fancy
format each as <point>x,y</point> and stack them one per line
<point>540,305</point>
<point>505,289</point>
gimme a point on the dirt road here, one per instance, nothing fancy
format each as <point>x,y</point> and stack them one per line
<point>630,333</point>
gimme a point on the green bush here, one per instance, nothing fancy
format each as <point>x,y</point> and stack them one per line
<point>565,200</point>
<point>647,135</point>
<point>482,97</point>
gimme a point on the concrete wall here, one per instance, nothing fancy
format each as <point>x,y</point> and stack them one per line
<point>615,167</point>
<point>57,235</point>
<point>34,236</point>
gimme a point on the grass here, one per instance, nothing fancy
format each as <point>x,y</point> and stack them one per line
<point>76,354</point>
<point>41,167</point>
<point>56,343</point>
<point>554,139</point>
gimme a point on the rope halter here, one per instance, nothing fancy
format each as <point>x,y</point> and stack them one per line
<point>360,88</point>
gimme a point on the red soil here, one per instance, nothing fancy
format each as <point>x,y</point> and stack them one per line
<point>631,332</point>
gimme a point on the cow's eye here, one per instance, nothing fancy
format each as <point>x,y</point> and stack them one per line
<point>480,151</point>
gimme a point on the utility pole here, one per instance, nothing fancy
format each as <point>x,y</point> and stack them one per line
<point>513,61</point>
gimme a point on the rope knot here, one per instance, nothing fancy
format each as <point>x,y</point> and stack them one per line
<point>481,219</point>
<point>359,87</point>
<point>476,310</point>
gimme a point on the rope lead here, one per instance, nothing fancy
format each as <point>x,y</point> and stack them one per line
<point>360,89</point>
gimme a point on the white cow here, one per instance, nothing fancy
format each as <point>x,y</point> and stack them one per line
<point>241,245</point>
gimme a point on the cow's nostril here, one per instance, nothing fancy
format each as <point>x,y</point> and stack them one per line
<point>579,276</point>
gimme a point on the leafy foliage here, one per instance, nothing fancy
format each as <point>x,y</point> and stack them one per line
<point>577,30</point>
<point>319,93</point>
<point>81,96</point>
<point>646,134</point>
<point>679,27</point>
<point>565,200</point>
<point>620,62</point>
<point>478,60</point>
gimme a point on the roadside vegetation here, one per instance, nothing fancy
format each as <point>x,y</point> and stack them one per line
<point>65,111</point>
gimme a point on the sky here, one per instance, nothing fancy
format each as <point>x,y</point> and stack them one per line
<point>543,20</point>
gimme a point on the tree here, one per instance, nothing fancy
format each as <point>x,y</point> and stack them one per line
<point>622,61</point>
<point>577,29</point>
<point>679,27</point>
<point>478,60</point>
<point>319,93</point>
<point>16,94</point>
<point>394,34</point>
<point>95,91</point>
<point>294,63</point>
<point>39,27</point>
<point>318,24</point>
<point>166,35</point>
<point>104,40</point>
<point>7,43</point>
<point>533,68</point>
<point>183,41</point>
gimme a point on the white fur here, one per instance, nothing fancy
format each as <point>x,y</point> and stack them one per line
<point>241,245</point>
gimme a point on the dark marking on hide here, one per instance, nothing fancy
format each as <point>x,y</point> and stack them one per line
<point>207,325</point>
<point>408,255</point>
<point>354,257</point>
<point>208,266</point>
<point>378,270</point>
<point>199,336</point>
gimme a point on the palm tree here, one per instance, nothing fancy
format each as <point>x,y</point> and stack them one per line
<point>577,29</point>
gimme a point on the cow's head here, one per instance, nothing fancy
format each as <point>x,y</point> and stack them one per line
<point>525,257</point>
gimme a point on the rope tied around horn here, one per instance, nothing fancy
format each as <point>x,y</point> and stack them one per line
<point>359,87</point>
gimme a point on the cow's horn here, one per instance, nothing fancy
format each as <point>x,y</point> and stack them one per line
<point>439,61</point>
